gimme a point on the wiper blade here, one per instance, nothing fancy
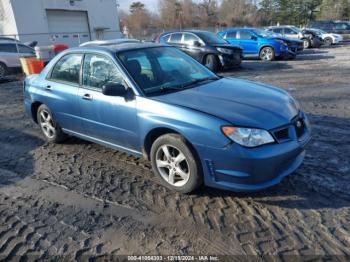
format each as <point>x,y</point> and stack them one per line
<point>196,81</point>
<point>185,85</point>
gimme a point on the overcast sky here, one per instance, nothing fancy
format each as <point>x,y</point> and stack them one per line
<point>151,5</point>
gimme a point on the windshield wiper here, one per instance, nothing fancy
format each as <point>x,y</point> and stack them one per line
<point>197,81</point>
<point>185,85</point>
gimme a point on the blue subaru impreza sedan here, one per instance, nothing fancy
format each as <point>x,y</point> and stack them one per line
<point>155,101</point>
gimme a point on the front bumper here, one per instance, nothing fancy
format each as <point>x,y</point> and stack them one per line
<point>249,169</point>
<point>230,60</point>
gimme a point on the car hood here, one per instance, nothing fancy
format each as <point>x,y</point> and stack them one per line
<point>286,39</point>
<point>243,103</point>
<point>228,46</point>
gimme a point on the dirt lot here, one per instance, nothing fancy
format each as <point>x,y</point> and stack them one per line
<point>80,199</point>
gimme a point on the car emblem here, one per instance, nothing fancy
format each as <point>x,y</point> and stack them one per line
<point>299,124</point>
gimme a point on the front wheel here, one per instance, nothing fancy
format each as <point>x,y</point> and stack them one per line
<point>211,62</point>
<point>3,70</point>
<point>50,128</point>
<point>175,163</point>
<point>267,54</point>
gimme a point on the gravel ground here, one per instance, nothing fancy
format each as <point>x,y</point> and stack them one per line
<point>79,200</point>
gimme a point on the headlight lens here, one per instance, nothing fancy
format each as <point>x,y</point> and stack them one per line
<point>224,50</point>
<point>248,137</point>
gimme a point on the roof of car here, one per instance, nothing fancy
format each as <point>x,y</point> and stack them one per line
<point>110,42</point>
<point>117,48</point>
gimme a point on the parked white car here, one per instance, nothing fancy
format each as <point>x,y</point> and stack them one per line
<point>328,38</point>
<point>10,53</point>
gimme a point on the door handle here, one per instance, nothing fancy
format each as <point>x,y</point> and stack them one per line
<point>87,97</point>
<point>48,87</point>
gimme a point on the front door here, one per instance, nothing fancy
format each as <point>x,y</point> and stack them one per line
<point>290,33</point>
<point>111,119</point>
<point>248,42</point>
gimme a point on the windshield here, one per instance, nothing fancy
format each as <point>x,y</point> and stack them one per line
<point>164,69</point>
<point>211,38</point>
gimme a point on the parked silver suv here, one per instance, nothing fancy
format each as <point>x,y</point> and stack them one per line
<point>290,31</point>
<point>10,52</point>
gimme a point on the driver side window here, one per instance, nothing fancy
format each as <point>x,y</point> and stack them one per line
<point>99,70</point>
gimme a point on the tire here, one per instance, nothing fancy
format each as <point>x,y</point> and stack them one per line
<point>306,43</point>
<point>328,41</point>
<point>184,175</point>
<point>3,70</point>
<point>267,54</point>
<point>50,128</point>
<point>211,62</point>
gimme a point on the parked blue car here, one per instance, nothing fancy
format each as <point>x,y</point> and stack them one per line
<point>263,44</point>
<point>155,101</point>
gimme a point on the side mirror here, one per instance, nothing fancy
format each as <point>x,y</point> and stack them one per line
<point>196,43</point>
<point>114,89</point>
<point>254,38</point>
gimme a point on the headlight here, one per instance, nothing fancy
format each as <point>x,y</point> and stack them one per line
<point>249,137</point>
<point>224,50</point>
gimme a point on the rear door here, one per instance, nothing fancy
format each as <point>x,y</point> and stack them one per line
<point>232,37</point>
<point>247,41</point>
<point>60,90</point>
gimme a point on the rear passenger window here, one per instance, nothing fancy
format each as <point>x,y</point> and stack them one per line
<point>67,69</point>
<point>189,38</point>
<point>277,30</point>
<point>175,38</point>
<point>8,48</point>
<point>245,35</point>
<point>231,35</point>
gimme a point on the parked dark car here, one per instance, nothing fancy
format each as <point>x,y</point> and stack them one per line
<point>330,26</point>
<point>155,101</point>
<point>263,44</point>
<point>206,47</point>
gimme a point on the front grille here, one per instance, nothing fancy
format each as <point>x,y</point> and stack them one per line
<point>282,134</point>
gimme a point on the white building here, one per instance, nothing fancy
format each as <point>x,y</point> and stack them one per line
<point>59,21</point>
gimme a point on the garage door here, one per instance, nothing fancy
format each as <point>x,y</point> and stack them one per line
<point>68,27</point>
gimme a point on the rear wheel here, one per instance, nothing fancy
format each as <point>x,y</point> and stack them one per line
<point>3,70</point>
<point>328,41</point>
<point>175,163</point>
<point>212,63</point>
<point>267,54</point>
<point>50,128</point>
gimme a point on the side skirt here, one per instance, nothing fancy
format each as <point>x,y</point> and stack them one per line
<point>104,143</point>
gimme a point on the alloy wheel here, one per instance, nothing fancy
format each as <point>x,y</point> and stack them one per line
<point>2,71</point>
<point>47,124</point>
<point>172,165</point>
<point>266,54</point>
